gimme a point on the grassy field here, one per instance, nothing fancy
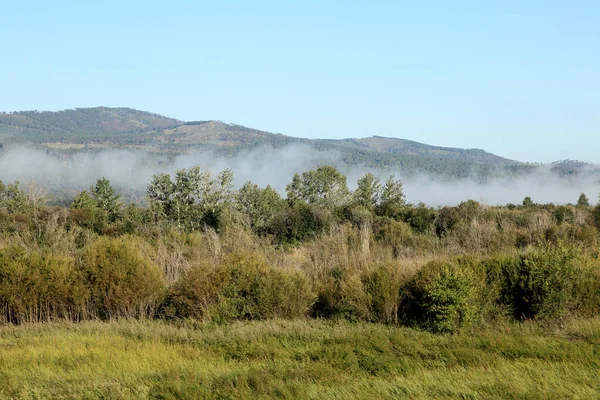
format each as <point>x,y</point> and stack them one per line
<point>298,359</point>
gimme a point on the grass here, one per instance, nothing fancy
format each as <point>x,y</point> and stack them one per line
<point>296,359</point>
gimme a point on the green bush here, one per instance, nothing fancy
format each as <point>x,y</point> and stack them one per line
<point>447,218</point>
<point>342,295</point>
<point>242,287</point>
<point>35,287</point>
<point>298,224</point>
<point>192,295</point>
<point>442,297</point>
<point>372,294</point>
<point>122,280</point>
<point>543,283</point>
<point>419,217</point>
<point>251,289</point>
<point>382,285</point>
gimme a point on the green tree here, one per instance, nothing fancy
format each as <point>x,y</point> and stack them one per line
<point>527,202</point>
<point>325,186</point>
<point>160,195</point>
<point>12,198</point>
<point>392,197</point>
<point>368,191</point>
<point>106,198</point>
<point>259,205</point>
<point>193,198</point>
<point>84,201</point>
<point>583,201</point>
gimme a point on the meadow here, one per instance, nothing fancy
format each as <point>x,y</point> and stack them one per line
<point>312,359</point>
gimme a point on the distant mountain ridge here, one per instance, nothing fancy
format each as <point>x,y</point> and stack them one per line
<point>83,129</point>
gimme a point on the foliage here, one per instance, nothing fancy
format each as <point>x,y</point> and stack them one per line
<point>122,281</point>
<point>544,282</point>
<point>583,200</point>
<point>36,287</point>
<point>194,199</point>
<point>325,187</point>
<point>443,297</point>
<point>106,198</point>
<point>392,198</point>
<point>12,198</point>
<point>243,286</point>
<point>258,204</point>
<point>368,192</point>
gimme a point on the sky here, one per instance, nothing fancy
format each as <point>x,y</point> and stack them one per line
<point>519,79</point>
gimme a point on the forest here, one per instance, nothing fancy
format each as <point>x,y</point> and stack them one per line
<point>358,274</point>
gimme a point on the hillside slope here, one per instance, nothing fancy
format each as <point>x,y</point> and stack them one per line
<point>101,127</point>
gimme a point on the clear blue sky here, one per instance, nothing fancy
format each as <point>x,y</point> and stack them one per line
<point>517,78</point>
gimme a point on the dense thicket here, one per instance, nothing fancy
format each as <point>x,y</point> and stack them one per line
<point>203,250</point>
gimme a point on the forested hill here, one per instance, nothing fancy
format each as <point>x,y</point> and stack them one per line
<point>86,129</point>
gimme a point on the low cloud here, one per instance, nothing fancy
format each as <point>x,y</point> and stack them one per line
<point>132,170</point>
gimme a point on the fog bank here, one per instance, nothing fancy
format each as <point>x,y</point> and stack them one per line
<point>132,170</point>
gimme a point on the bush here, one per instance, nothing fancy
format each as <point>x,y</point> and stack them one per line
<point>122,280</point>
<point>35,287</point>
<point>382,285</point>
<point>242,287</point>
<point>442,297</point>
<point>251,289</point>
<point>447,218</point>
<point>419,217</point>
<point>543,283</point>
<point>298,224</point>
<point>342,295</point>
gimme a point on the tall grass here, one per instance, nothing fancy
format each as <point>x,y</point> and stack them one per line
<point>296,359</point>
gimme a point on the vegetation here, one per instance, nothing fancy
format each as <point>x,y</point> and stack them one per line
<point>296,359</point>
<point>328,292</point>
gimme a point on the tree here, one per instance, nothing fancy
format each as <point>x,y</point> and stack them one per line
<point>12,198</point>
<point>160,195</point>
<point>392,197</point>
<point>84,201</point>
<point>583,201</point>
<point>325,186</point>
<point>258,205</point>
<point>368,191</point>
<point>193,198</point>
<point>106,198</point>
<point>527,202</point>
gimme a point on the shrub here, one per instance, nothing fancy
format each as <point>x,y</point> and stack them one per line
<point>35,287</point>
<point>342,295</point>
<point>419,217</point>
<point>251,289</point>
<point>543,282</point>
<point>242,287</point>
<point>193,294</point>
<point>299,223</point>
<point>382,285</point>
<point>446,220</point>
<point>442,297</point>
<point>121,278</point>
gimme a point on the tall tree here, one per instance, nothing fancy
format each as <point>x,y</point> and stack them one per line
<point>392,197</point>
<point>583,200</point>
<point>106,198</point>
<point>325,186</point>
<point>368,191</point>
<point>259,205</point>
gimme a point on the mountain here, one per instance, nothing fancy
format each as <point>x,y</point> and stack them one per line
<point>85,129</point>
